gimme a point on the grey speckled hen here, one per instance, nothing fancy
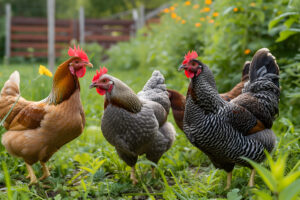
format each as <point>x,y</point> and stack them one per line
<point>136,124</point>
<point>228,131</point>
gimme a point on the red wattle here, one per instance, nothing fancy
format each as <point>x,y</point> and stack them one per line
<point>100,91</point>
<point>81,72</point>
<point>189,74</point>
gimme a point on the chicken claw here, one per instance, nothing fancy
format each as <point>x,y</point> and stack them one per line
<point>33,179</point>
<point>153,172</point>
<point>46,172</point>
<point>133,177</point>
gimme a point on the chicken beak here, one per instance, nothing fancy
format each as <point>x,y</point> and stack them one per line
<point>93,85</point>
<point>181,67</point>
<point>88,64</point>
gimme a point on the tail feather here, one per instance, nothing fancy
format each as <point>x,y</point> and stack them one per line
<point>12,85</point>
<point>245,73</point>
<point>264,64</point>
<point>155,90</point>
<point>263,88</point>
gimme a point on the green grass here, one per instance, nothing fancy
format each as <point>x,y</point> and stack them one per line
<point>89,168</point>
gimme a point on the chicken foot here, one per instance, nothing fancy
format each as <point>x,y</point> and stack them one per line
<point>229,178</point>
<point>251,180</point>
<point>46,172</point>
<point>153,172</point>
<point>132,176</point>
<point>31,174</point>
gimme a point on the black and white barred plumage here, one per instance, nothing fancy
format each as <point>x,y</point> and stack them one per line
<point>220,128</point>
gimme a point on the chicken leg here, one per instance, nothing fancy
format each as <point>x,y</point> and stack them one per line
<point>132,176</point>
<point>46,172</point>
<point>229,178</point>
<point>153,172</point>
<point>31,174</point>
<point>251,180</point>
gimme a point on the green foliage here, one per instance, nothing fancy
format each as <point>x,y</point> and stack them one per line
<point>283,186</point>
<point>290,21</point>
<point>234,195</point>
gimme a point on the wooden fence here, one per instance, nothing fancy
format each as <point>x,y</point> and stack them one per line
<point>108,32</point>
<point>29,35</point>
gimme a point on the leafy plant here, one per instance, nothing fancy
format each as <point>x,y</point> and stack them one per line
<point>290,21</point>
<point>283,186</point>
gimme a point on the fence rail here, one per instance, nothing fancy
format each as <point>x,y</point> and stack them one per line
<point>29,36</point>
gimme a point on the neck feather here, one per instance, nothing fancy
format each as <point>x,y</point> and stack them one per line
<point>64,83</point>
<point>204,93</point>
<point>122,96</point>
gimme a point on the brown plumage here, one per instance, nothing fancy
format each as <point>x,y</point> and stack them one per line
<point>178,100</point>
<point>36,130</point>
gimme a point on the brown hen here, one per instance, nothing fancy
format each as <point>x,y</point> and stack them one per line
<point>36,130</point>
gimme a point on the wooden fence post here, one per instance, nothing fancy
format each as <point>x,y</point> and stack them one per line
<point>141,16</point>
<point>81,26</point>
<point>7,32</point>
<point>51,33</point>
<point>135,18</point>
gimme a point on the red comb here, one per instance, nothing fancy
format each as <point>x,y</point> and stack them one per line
<point>190,56</point>
<point>78,52</point>
<point>100,73</point>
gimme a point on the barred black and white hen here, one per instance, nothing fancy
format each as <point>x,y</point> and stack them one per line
<point>135,124</point>
<point>227,131</point>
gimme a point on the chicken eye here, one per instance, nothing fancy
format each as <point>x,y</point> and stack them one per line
<point>76,61</point>
<point>104,81</point>
<point>194,64</point>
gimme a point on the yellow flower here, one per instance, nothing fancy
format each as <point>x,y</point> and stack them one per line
<point>173,15</point>
<point>198,24</point>
<point>172,8</point>
<point>252,4</point>
<point>187,3</point>
<point>166,10</point>
<point>211,21</point>
<point>247,51</point>
<point>206,9</point>
<point>207,17</point>
<point>196,6</point>
<point>183,21</point>
<point>235,9</point>
<point>215,14</point>
<point>208,2</point>
<point>202,19</point>
<point>175,5</point>
<point>44,71</point>
<point>178,18</point>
